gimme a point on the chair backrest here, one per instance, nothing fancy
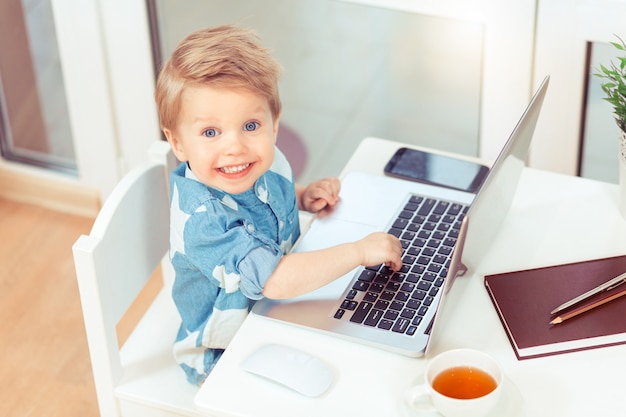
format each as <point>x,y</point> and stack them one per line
<point>128,240</point>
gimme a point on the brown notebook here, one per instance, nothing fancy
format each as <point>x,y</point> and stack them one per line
<point>524,300</point>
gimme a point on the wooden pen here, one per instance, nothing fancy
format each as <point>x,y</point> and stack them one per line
<point>609,297</point>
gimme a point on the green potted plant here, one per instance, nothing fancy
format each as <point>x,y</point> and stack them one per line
<point>615,85</point>
<point>615,89</point>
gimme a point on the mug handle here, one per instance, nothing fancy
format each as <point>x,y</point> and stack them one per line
<point>419,399</point>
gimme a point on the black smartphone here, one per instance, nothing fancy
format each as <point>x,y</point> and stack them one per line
<point>432,168</point>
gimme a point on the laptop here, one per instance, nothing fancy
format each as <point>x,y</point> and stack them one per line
<point>444,233</point>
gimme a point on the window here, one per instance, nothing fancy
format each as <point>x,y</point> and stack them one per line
<point>34,122</point>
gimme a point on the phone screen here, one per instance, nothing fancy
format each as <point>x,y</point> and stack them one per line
<point>436,169</point>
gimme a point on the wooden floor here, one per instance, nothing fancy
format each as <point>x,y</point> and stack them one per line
<point>44,359</point>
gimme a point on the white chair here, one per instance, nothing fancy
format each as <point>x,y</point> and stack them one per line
<point>129,239</point>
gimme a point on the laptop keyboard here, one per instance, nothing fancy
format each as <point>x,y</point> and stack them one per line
<point>398,300</point>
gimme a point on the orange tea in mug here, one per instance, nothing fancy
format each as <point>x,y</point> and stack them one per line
<point>458,383</point>
<point>464,382</point>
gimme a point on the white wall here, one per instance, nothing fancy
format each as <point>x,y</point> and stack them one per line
<point>507,70</point>
<point>105,54</point>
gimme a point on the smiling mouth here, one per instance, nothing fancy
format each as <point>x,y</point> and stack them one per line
<point>235,169</point>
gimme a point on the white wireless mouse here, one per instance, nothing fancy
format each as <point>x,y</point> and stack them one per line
<point>291,368</point>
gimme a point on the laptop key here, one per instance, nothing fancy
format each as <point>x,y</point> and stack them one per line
<point>412,278</point>
<point>408,259</point>
<point>418,220</point>
<point>441,207</point>
<point>418,295</point>
<point>385,324</point>
<point>429,276</point>
<point>391,315</point>
<point>445,250</point>
<point>400,275</point>
<point>402,296</point>
<point>413,251</point>
<point>435,218</point>
<point>381,279</point>
<point>433,243</point>
<point>370,296</point>
<point>385,270</point>
<point>373,317</point>
<point>396,305</point>
<point>448,218</point>
<point>360,285</point>
<point>423,285</point>
<point>455,208</point>
<point>401,223</point>
<point>429,226</point>
<point>401,325</point>
<point>407,313</point>
<point>418,269</point>
<point>428,205</point>
<point>367,275</point>
<point>449,242</point>
<point>361,312</point>
<point>386,295</point>
<point>440,259</point>
<point>413,227</point>
<point>417,199</point>
<point>439,235</point>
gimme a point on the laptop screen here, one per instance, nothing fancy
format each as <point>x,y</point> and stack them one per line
<point>495,196</point>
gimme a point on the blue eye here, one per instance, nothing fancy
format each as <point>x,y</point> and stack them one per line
<point>210,133</point>
<point>250,126</point>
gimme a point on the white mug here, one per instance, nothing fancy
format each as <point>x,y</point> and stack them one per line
<point>463,369</point>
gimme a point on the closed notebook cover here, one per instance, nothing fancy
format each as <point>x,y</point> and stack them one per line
<point>524,300</point>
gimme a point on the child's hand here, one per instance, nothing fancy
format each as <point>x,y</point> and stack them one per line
<point>320,196</point>
<point>381,248</point>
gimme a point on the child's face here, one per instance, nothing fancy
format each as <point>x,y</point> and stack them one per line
<point>226,135</point>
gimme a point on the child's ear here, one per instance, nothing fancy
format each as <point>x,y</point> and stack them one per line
<point>176,145</point>
<point>276,123</point>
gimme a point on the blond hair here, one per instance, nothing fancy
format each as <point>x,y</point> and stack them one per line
<point>224,57</point>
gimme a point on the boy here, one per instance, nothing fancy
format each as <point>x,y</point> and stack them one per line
<point>234,206</point>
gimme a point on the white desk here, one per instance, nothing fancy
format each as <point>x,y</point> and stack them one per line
<point>554,219</point>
